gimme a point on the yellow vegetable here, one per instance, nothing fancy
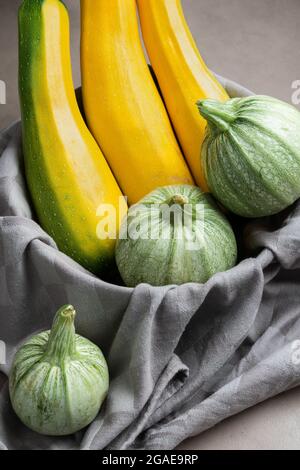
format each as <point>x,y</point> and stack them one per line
<point>68,177</point>
<point>123,108</point>
<point>181,72</point>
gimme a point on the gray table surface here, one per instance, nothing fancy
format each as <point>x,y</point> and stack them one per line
<point>256,43</point>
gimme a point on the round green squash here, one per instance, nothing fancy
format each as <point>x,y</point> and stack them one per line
<point>58,380</point>
<point>251,154</point>
<point>174,235</point>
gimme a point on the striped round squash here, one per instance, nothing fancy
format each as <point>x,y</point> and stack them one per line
<point>174,235</point>
<point>251,154</point>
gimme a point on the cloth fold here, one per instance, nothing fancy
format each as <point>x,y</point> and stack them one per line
<point>181,359</point>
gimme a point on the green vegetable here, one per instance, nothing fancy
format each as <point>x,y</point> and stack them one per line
<point>174,235</point>
<point>251,154</point>
<point>58,380</point>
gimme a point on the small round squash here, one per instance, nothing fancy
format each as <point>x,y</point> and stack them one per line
<point>174,235</point>
<point>251,154</point>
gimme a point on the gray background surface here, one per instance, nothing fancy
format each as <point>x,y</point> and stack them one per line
<point>256,43</point>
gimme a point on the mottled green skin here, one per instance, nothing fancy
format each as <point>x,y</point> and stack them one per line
<point>59,390</point>
<point>251,154</point>
<point>165,260</point>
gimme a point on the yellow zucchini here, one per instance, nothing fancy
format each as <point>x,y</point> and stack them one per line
<point>68,177</point>
<point>122,105</point>
<point>182,74</point>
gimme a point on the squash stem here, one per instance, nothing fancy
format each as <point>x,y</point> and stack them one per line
<point>219,114</point>
<point>178,199</point>
<point>61,343</point>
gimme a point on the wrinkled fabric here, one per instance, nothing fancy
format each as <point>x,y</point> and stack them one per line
<point>181,359</point>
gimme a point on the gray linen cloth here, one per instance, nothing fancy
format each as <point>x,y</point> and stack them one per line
<point>181,359</point>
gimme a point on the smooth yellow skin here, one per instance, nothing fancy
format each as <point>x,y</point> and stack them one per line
<point>182,74</point>
<point>79,178</point>
<point>123,108</point>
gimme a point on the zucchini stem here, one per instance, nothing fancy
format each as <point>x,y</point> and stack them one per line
<point>220,115</point>
<point>61,343</point>
<point>178,199</point>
